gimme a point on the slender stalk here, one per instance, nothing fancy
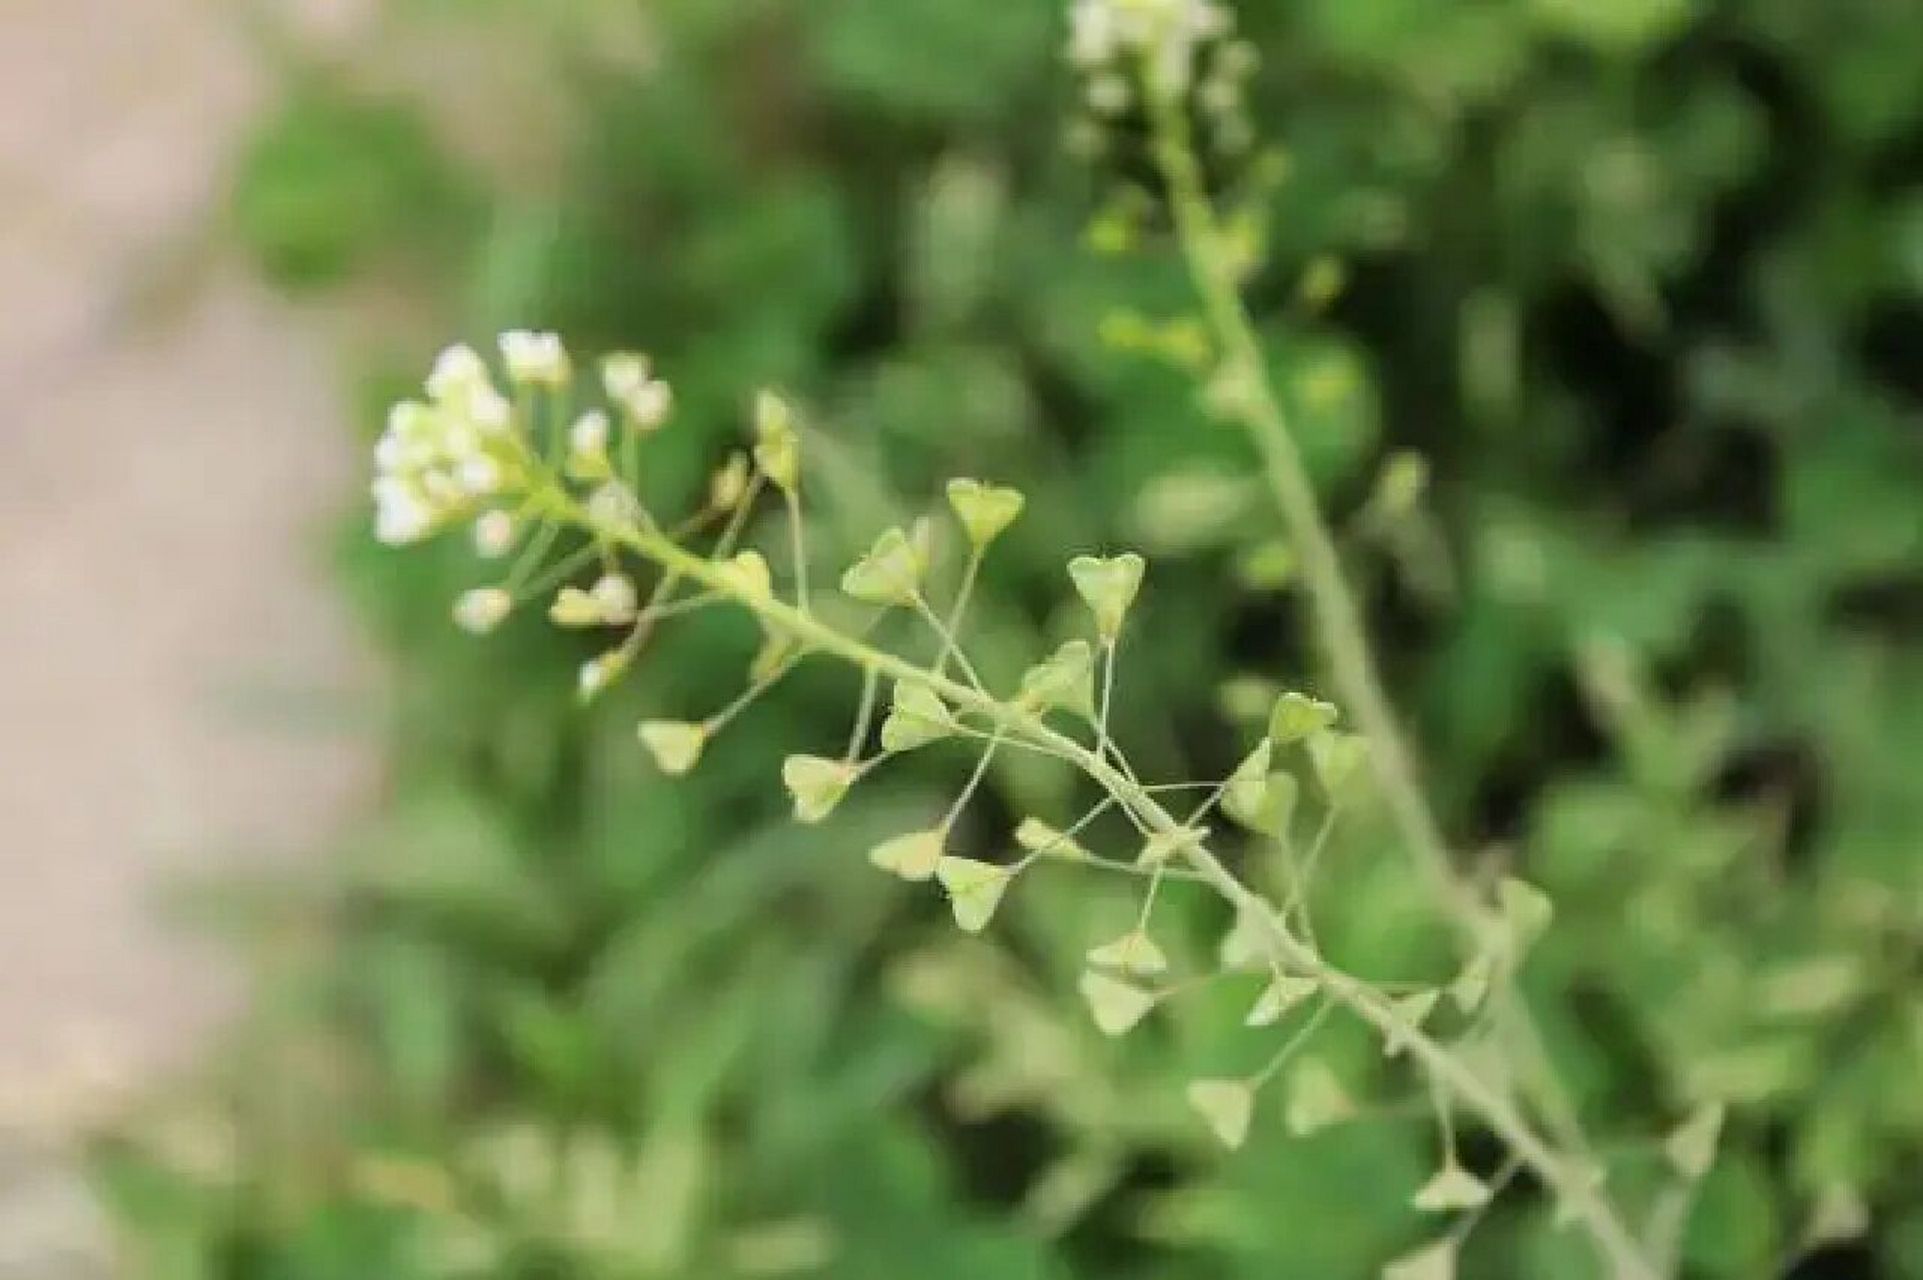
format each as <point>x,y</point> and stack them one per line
<point>1338,618</point>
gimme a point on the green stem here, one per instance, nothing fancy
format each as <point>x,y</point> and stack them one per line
<point>1338,618</point>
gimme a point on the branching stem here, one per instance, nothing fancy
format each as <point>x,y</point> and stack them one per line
<point>1566,1178</point>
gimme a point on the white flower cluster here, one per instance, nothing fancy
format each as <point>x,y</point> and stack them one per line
<point>469,450</point>
<point>440,457</point>
<point>1165,32</point>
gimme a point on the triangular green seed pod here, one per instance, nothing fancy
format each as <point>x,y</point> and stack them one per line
<point>1226,1106</point>
<point>777,448</point>
<point>1065,679</point>
<point>1412,1010</point>
<point>1163,845</point>
<point>1472,984</point>
<point>1134,952</point>
<point>776,648</point>
<point>889,574</point>
<point>1436,1261</point>
<point>1337,758</point>
<point>1108,586</point>
<point>1692,1147</point>
<point>917,717</point>
<point>1243,946</point>
<point>1526,912</point>
<point>816,784</point>
<point>1245,788</point>
<point>675,744</point>
<point>984,510</point>
<point>1285,993</point>
<point>1451,1190</point>
<point>729,484</point>
<point>1588,1175</point>
<point>1266,808</point>
<point>1037,836</point>
<point>974,890</point>
<point>1317,1099</point>
<point>1296,716</point>
<point>747,575</point>
<point>912,856</point>
<point>1116,1005</point>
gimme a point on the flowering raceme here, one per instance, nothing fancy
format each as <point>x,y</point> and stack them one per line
<point>438,460</point>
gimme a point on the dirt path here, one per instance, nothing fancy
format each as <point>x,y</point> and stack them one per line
<point>163,474</point>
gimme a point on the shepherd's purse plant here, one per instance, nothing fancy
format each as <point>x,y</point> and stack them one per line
<point>540,460</point>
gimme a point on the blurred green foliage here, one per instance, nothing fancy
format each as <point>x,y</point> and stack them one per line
<point>1640,279</point>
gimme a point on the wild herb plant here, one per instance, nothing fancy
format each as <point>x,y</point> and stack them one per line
<point>545,466</point>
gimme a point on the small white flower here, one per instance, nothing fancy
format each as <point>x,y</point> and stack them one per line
<point>588,446</point>
<point>493,535</point>
<point>480,475</point>
<point>644,398</point>
<point>534,358</point>
<point>457,373</point>
<point>488,410</point>
<point>650,406</point>
<point>614,594</point>
<point>399,519</point>
<point>481,610</point>
<point>589,434</point>
<point>623,374</point>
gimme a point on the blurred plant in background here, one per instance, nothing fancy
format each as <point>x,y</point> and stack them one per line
<point>1598,329</point>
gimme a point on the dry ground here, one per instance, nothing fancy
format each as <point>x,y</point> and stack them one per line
<point>164,466</point>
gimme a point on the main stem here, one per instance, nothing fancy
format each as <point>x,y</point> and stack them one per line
<point>1344,641</point>
<point>1338,618</point>
<point>1564,1177</point>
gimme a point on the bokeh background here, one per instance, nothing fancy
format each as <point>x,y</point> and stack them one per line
<point>345,946</point>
